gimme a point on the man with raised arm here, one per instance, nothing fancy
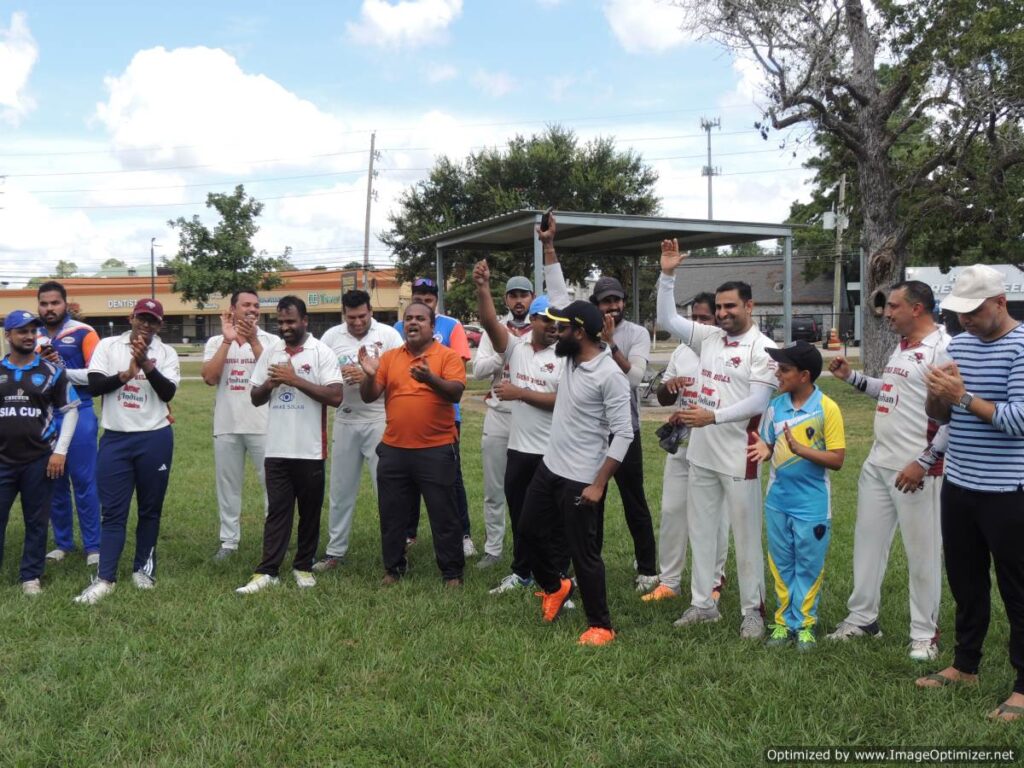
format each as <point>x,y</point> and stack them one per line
<point>239,427</point>
<point>901,480</point>
<point>737,378</point>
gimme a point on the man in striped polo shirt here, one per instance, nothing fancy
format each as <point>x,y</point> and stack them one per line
<point>981,395</point>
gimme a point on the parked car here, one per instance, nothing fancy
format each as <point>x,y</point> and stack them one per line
<point>473,335</point>
<point>805,328</point>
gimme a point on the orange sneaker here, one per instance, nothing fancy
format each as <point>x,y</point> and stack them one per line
<point>597,636</point>
<point>551,603</point>
<point>660,592</point>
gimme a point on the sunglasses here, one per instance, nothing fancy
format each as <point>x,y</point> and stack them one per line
<point>421,282</point>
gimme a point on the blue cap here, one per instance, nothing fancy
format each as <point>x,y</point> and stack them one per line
<point>19,318</point>
<point>540,305</point>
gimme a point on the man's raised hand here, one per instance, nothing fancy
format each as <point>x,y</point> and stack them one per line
<point>547,236</point>
<point>481,273</point>
<point>671,257</point>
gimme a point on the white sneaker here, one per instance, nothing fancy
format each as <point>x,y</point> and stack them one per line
<point>143,581</point>
<point>93,558</point>
<point>95,592</point>
<point>32,587</point>
<point>695,615</point>
<point>56,555</point>
<point>468,547</point>
<point>304,579</point>
<point>259,581</point>
<point>845,630</point>
<point>922,650</point>
<point>646,583</point>
<point>509,583</point>
<point>752,627</point>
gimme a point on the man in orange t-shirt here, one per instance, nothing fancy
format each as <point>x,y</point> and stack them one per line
<point>420,381</point>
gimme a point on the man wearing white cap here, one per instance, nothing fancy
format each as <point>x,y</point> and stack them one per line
<point>901,479</point>
<point>981,395</point>
<point>494,443</point>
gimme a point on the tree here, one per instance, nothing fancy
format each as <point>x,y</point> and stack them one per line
<point>112,264</point>
<point>353,265</point>
<point>224,259</point>
<point>952,74</point>
<point>552,169</point>
<point>65,269</point>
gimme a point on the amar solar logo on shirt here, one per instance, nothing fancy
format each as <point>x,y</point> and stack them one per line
<point>286,397</point>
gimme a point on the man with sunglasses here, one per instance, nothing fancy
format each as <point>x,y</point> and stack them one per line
<point>570,482</point>
<point>137,376</point>
<point>449,332</point>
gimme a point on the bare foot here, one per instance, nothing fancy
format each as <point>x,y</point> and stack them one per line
<point>947,676</point>
<point>1010,710</point>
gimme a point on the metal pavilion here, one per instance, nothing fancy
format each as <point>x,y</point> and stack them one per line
<point>610,235</point>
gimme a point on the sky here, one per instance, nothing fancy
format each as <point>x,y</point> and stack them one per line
<point>116,117</point>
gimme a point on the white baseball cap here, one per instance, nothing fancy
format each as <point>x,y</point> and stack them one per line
<point>975,284</point>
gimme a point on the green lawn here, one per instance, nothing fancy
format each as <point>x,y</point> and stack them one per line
<point>353,674</point>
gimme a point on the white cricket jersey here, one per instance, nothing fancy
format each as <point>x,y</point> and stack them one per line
<point>530,427</point>
<point>296,423</point>
<point>684,364</point>
<point>135,406</point>
<point>379,338</point>
<point>487,362</point>
<point>902,429</point>
<point>728,366</point>
<point>233,411</point>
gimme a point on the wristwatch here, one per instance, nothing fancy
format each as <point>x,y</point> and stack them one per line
<point>965,401</point>
<point>613,348</point>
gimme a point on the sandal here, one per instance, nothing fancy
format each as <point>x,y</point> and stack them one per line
<point>1015,712</point>
<point>941,681</point>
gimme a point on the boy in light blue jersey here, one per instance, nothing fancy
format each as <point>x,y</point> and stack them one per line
<point>802,433</point>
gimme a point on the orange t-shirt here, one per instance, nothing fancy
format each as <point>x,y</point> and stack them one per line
<point>418,417</point>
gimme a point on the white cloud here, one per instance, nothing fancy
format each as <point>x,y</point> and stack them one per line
<point>18,54</point>
<point>408,23</point>
<point>494,84</point>
<point>441,72</point>
<point>751,81</point>
<point>645,26</point>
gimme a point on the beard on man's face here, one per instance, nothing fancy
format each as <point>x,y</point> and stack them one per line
<point>567,346</point>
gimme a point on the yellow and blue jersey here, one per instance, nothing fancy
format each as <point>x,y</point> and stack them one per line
<point>799,487</point>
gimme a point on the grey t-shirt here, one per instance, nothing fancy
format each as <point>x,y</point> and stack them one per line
<point>634,342</point>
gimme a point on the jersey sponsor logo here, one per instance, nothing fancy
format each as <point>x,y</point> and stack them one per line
<point>286,397</point>
<point>888,398</point>
<point>68,340</point>
<point>18,397</point>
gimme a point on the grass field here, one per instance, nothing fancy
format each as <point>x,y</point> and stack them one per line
<point>351,674</point>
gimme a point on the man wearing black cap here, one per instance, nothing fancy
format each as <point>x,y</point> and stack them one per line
<point>569,484</point>
<point>32,455</point>
<point>630,347</point>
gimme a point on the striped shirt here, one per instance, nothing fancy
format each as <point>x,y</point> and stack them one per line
<point>982,456</point>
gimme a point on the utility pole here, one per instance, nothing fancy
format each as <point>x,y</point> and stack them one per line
<point>837,284</point>
<point>152,268</point>
<point>709,170</point>
<point>369,201</point>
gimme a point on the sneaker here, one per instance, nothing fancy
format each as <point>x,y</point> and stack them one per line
<point>468,547</point>
<point>259,581</point>
<point>660,592</point>
<point>552,603</point>
<point>224,553</point>
<point>304,579</point>
<point>32,587</point>
<point>752,627</point>
<point>920,650</point>
<point>780,636</point>
<point>92,559</point>
<point>646,583</point>
<point>805,640</point>
<point>143,580</point>
<point>509,583</point>
<point>569,605</point>
<point>597,636</point>
<point>56,555</point>
<point>488,561</point>
<point>329,563</point>
<point>845,630</point>
<point>695,615</point>
<point>95,592</point>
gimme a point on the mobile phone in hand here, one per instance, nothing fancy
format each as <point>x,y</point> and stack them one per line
<point>545,220</point>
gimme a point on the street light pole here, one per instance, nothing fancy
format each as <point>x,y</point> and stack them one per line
<point>152,268</point>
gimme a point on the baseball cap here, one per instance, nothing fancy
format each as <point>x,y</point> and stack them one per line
<point>540,305</point>
<point>582,314</point>
<point>607,286</point>
<point>19,318</point>
<point>973,285</point>
<point>518,283</point>
<point>424,285</point>
<point>801,355</point>
<point>149,307</point>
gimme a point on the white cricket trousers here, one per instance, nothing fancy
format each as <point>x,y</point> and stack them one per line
<point>880,507</point>
<point>494,446</point>
<point>229,460</point>
<point>713,495</point>
<point>353,443</point>
<point>674,531</point>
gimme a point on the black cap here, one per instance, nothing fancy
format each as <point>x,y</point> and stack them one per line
<point>799,354</point>
<point>582,314</point>
<point>607,286</point>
